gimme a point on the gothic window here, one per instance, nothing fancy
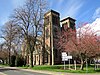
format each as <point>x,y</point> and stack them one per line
<point>55,31</point>
<point>47,33</point>
<point>37,58</point>
<point>55,20</point>
<point>65,26</point>
<point>46,20</point>
<point>46,57</point>
<point>56,53</point>
<point>72,25</point>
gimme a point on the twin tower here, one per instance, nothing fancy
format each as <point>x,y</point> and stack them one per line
<point>52,27</point>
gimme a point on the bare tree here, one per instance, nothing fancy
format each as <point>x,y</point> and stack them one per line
<point>9,33</point>
<point>30,19</point>
<point>4,55</point>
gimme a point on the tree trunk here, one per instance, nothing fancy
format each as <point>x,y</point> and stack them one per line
<point>95,65</point>
<point>9,56</point>
<point>82,64</point>
<point>86,66</point>
<point>9,52</point>
<point>43,54</point>
<point>3,62</point>
<point>31,54</point>
<point>6,61</point>
<point>75,64</point>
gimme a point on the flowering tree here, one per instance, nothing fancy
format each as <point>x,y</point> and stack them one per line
<point>84,47</point>
<point>88,45</point>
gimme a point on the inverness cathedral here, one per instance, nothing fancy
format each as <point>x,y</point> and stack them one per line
<point>49,54</point>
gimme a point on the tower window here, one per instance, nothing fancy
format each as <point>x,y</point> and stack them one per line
<point>46,20</point>
<point>65,26</point>
<point>72,25</point>
<point>56,53</point>
<point>47,33</point>
<point>55,20</point>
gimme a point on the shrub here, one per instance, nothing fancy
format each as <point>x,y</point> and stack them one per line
<point>13,58</point>
<point>20,61</point>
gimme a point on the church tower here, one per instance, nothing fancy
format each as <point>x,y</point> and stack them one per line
<point>68,23</point>
<point>51,25</point>
<point>68,26</point>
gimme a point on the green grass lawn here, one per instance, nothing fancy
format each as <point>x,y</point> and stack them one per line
<point>59,68</point>
<point>3,65</point>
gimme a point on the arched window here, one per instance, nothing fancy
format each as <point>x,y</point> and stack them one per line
<point>47,33</point>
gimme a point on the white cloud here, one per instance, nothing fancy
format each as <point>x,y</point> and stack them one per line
<point>73,7</point>
<point>92,27</point>
<point>97,13</point>
<point>67,7</point>
<point>58,3</point>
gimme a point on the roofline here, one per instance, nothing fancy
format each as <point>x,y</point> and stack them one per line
<point>51,11</point>
<point>67,18</point>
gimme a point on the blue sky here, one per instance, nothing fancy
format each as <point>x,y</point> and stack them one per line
<point>6,9</point>
<point>81,10</point>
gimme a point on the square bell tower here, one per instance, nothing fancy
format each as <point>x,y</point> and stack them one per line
<point>51,25</point>
<point>68,27</point>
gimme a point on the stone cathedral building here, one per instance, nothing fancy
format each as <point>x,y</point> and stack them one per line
<point>52,25</point>
<point>49,54</point>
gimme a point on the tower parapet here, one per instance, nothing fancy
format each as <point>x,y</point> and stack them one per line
<point>68,23</point>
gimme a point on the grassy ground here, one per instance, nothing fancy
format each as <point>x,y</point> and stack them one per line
<point>3,65</point>
<point>59,68</point>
